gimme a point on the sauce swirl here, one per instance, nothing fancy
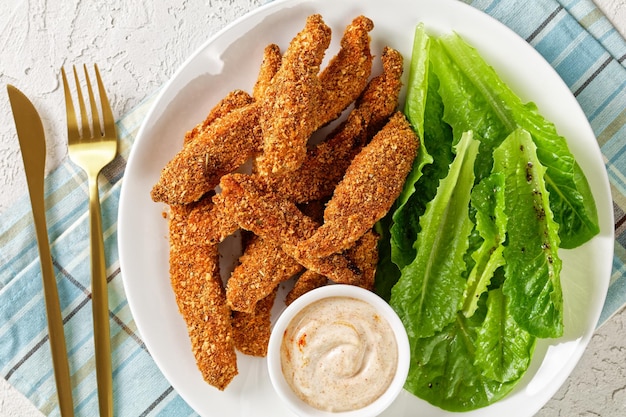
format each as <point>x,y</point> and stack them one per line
<point>339,354</point>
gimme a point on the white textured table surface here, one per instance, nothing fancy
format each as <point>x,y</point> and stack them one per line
<point>138,46</point>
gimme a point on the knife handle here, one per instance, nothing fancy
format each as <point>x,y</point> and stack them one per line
<point>53,311</point>
<point>99,296</point>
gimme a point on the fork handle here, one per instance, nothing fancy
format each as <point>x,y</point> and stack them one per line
<point>99,296</point>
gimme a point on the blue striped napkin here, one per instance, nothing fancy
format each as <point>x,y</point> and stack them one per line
<point>573,35</point>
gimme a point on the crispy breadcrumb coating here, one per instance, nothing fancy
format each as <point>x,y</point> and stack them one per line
<point>380,99</point>
<point>261,268</point>
<point>201,299</point>
<point>326,164</point>
<point>364,254</point>
<point>290,103</point>
<point>365,194</point>
<point>221,148</point>
<point>269,67</point>
<point>307,281</point>
<point>265,214</point>
<point>277,219</point>
<point>347,73</point>
<point>234,100</point>
<point>251,331</point>
<point>207,223</point>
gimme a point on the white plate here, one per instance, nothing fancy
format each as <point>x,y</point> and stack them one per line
<point>230,60</point>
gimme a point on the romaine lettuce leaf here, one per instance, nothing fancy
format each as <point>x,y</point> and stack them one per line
<point>503,349</point>
<point>424,109</point>
<point>438,141</point>
<point>443,369</point>
<point>488,200</point>
<point>477,99</point>
<point>428,293</point>
<point>399,228</point>
<point>465,108</point>
<point>469,254</point>
<point>415,103</point>
<point>532,263</point>
<point>387,273</point>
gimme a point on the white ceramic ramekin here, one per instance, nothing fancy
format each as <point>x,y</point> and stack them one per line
<point>282,387</point>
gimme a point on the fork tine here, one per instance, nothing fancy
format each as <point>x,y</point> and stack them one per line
<point>72,125</point>
<point>95,118</point>
<point>107,114</point>
<point>81,105</point>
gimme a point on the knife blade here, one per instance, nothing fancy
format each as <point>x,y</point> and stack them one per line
<point>32,141</point>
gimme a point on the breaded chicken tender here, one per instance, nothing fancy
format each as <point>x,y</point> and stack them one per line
<point>269,67</point>
<point>364,254</point>
<point>208,224</point>
<point>277,219</point>
<point>221,148</point>
<point>201,299</point>
<point>251,331</point>
<point>290,102</point>
<point>365,194</point>
<point>380,99</point>
<point>234,100</point>
<point>347,73</point>
<point>262,213</point>
<point>306,282</point>
<point>261,268</point>
<point>326,164</point>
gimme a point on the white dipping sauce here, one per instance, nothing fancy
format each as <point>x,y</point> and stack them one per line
<point>339,354</point>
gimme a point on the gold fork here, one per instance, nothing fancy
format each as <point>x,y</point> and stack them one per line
<point>92,148</point>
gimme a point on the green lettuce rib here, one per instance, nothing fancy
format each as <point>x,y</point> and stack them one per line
<point>429,291</point>
<point>491,221</point>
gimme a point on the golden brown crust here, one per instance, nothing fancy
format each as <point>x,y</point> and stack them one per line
<point>221,148</point>
<point>347,73</point>
<point>199,292</point>
<point>265,214</point>
<point>261,268</point>
<point>234,100</point>
<point>380,98</point>
<point>306,282</point>
<point>364,254</point>
<point>269,67</point>
<point>207,224</point>
<point>277,219</point>
<point>326,164</point>
<point>365,194</point>
<point>290,103</point>
<point>251,331</point>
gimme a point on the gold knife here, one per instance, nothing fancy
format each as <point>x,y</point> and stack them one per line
<point>33,146</point>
